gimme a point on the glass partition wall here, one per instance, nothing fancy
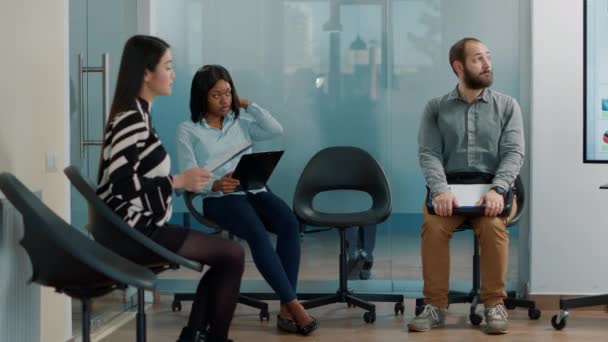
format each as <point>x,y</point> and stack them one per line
<point>350,72</point>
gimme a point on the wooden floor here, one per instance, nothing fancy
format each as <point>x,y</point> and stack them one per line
<point>397,257</point>
<point>339,323</point>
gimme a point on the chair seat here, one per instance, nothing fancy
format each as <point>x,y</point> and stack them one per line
<point>94,291</point>
<point>341,220</point>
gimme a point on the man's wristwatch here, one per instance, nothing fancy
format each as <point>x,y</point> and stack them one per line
<point>499,190</point>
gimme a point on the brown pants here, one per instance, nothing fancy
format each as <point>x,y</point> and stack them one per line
<point>494,255</point>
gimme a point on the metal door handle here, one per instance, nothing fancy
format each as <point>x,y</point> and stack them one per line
<point>105,70</point>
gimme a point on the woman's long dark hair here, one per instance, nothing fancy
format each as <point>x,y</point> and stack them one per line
<point>205,79</point>
<point>140,53</point>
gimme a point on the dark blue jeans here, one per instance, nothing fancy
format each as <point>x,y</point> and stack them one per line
<point>251,217</point>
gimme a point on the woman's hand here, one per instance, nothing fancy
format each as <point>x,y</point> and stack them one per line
<point>226,184</point>
<point>193,179</point>
<point>243,102</point>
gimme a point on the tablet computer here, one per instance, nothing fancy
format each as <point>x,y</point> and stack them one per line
<point>467,196</point>
<point>254,169</point>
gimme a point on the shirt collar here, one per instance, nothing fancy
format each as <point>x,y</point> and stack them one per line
<point>145,106</point>
<point>228,119</point>
<point>484,96</point>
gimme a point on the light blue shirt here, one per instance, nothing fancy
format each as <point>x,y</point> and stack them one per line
<point>199,143</point>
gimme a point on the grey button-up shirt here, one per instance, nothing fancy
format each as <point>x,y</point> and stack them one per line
<point>486,135</point>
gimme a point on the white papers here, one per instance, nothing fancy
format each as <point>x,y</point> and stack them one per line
<point>214,164</point>
<point>468,195</point>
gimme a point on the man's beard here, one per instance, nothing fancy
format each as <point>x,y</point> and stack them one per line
<point>476,81</point>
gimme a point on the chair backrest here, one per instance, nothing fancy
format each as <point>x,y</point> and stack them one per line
<point>520,192</point>
<point>342,168</point>
<point>114,233</point>
<point>61,256</point>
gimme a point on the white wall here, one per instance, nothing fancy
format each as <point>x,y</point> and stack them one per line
<point>569,222</point>
<point>34,118</point>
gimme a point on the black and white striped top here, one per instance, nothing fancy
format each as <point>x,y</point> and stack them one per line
<point>135,180</point>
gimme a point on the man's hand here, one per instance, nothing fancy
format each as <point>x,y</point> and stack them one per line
<point>444,202</point>
<point>494,203</point>
<point>226,184</point>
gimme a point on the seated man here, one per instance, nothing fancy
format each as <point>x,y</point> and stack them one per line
<point>472,128</point>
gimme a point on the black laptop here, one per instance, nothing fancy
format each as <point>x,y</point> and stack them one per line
<point>254,169</point>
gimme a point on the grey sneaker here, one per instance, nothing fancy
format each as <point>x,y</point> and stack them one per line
<point>496,319</point>
<point>430,317</point>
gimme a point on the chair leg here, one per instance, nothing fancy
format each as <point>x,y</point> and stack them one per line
<point>141,316</point>
<point>322,301</point>
<point>255,303</point>
<point>343,295</point>
<point>254,300</point>
<point>86,319</point>
<point>580,302</point>
<point>343,276</point>
<point>476,266</point>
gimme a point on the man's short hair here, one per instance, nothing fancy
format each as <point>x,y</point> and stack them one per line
<point>457,51</point>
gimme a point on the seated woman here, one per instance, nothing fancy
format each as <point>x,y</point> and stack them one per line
<point>220,122</point>
<point>135,181</point>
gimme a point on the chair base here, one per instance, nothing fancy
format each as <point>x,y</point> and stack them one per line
<point>344,295</point>
<point>360,300</point>
<point>250,299</point>
<point>511,302</point>
<point>559,321</point>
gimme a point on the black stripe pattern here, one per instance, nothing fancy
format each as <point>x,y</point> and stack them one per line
<point>135,181</point>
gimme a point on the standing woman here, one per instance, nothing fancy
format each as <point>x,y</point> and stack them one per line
<point>221,121</point>
<point>135,181</point>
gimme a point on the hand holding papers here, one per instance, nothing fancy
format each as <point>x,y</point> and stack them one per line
<point>468,195</point>
<point>468,198</point>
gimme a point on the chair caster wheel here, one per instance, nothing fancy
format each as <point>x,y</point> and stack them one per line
<point>264,316</point>
<point>475,319</point>
<point>559,323</point>
<point>534,313</point>
<point>176,306</point>
<point>399,308</point>
<point>369,317</point>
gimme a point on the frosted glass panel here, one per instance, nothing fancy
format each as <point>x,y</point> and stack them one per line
<point>342,73</point>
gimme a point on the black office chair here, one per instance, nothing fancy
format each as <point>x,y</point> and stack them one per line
<point>250,299</point>
<point>344,168</point>
<point>511,302</point>
<point>65,259</point>
<point>114,233</point>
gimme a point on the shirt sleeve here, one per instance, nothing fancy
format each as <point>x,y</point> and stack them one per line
<point>511,147</point>
<point>263,125</point>
<point>430,150</point>
<point>186,159</point>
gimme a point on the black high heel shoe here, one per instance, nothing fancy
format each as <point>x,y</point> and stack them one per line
<point>292,327</point>
<point>308,328</point>
<point>192,335</point>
